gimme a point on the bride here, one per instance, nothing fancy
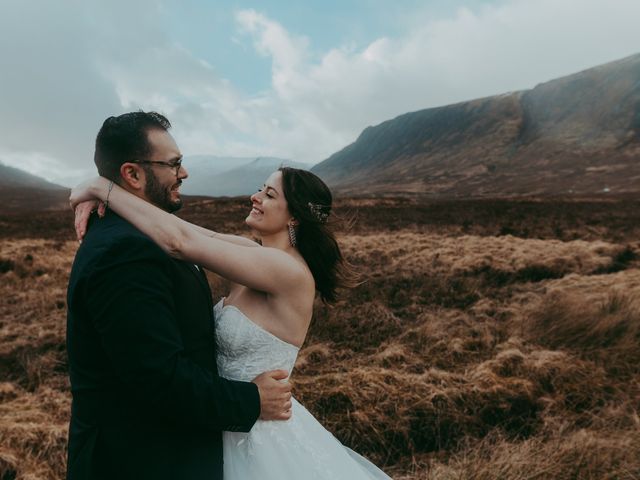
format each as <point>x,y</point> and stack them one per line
<point>263,322</point>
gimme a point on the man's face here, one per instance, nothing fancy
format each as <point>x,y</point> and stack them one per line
<point>162,182</point>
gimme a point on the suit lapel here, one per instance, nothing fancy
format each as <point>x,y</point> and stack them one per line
<point>202,280</point>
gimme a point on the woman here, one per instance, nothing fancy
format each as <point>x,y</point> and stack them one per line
<point>263,322</point>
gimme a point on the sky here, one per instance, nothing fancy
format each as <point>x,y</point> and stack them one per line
<point>296,80</point>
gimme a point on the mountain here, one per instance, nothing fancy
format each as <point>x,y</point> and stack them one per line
<point>578,134</point>
<point>203,169</point>
<point>21,191</point>
<point>11,177</point>
<point>208,176</point>
<point>212,177</point>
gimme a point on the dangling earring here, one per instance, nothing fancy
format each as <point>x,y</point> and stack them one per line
<point>292,235</point>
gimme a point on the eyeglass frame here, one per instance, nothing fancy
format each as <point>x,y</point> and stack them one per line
<point>177,165</point>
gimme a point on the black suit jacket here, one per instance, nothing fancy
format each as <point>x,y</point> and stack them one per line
<point>147,398</point>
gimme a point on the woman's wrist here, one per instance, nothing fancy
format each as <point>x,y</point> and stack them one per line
<point>100,188</point>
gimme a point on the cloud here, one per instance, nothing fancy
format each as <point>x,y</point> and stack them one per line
<point>519,43</point>
<point>271,39</point>
<point>50,88</point>
<point>509,46</point>
<point>66,69</point>
<point>322,106</point>
<point>54,91</point>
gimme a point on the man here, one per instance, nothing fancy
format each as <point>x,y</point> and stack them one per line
<point>147,399</point>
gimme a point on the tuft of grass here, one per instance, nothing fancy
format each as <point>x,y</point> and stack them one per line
<point>607,332</point>
<point>621,261</point>
<point>581,455</point>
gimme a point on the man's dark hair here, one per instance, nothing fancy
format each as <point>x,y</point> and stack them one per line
<point>123,139</point>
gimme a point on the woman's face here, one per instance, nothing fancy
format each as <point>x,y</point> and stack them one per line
<point>270,213</point>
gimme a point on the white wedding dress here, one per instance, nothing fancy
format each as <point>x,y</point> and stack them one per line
<point>299,448</point>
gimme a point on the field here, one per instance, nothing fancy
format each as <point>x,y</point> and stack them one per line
<point>490,339</point>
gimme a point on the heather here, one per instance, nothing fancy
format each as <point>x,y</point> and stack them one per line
<point>489,339</point>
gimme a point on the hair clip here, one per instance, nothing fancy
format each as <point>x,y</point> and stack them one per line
<point>318,212</point>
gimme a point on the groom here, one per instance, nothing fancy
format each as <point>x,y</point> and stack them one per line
<point>147,398</point>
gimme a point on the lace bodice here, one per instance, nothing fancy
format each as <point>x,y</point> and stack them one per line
<point>245,349</point>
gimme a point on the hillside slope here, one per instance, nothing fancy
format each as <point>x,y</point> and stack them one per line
<point>577,134</point>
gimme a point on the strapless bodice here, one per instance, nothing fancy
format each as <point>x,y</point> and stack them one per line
<point>245,349</point>
<point>275,450</point>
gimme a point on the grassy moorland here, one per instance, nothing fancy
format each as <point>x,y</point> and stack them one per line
<point>490,339</point>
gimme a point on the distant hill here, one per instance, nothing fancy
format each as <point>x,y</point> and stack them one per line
<point>578,134</point>
<point>202,168</point>
<point>11,177</point>
<point>228,176</point>
<point>21,191</point>
<point>208,176</point>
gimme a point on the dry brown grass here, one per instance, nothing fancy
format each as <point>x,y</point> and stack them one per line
<point>465,354</point>
<point>582,454</point>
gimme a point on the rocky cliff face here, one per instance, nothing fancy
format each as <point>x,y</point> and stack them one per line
<point>578,134</point>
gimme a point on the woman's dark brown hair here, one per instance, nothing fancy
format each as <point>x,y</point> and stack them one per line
<point>310,201</point>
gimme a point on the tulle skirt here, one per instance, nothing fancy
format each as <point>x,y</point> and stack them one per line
<point>299,448</point>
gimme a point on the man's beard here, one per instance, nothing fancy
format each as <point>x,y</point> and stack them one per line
<point>159,195</point>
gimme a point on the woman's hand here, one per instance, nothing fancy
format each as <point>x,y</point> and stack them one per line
<point>83,211</point>
<point>84,200</point>
<point>83,192</point>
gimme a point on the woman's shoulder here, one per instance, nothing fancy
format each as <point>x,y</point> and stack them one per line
<point>306,275</point>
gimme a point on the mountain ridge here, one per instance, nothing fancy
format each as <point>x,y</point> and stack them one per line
<point>12,177</point>
<point>22,191</point>
<point>575,134</point>
<point>243,179</point>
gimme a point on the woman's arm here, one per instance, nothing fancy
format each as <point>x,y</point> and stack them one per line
<point>84,210</point>
<point>237,239</point>
<point>265,269</point>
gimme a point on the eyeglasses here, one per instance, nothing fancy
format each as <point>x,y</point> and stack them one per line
<point>176,165</point>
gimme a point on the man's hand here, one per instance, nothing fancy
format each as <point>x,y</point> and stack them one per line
<point>275,396</point>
